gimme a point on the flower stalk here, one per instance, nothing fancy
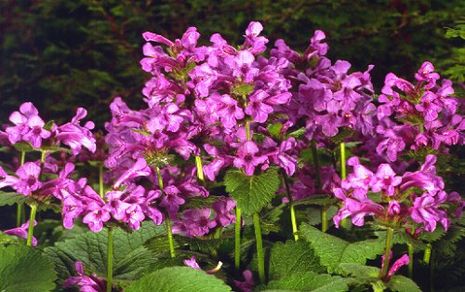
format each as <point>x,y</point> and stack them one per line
<point>237,239</point>
<point>110,260</point>
<point>169,228</point>
<point>20,208</point>
<point>198,165</point>
<point>259,244</point>
<point>32,218</point>
<point>387,252</point>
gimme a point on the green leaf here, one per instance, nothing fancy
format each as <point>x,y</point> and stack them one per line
<point>275,129</point>
<point>334,251</point>
<point>178,279</point>
<point>11,198</point>
<point>23,146</point>
<point>131,258</point>
<point>25,269</point>
<point>309,281</point>
<point>292,257</point>
<point>297,133</point>
<point>402,284</point>
<point>252,193</point>
<point>365,274</point>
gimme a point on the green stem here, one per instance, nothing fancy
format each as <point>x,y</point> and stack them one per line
<point>343,160</point>
<point>387,252</point>
<point>109,260</point>
<point>198,165</point>
<point>410,262</point>
<point>32,218</point>
<point>20,207</point>
<point>237,239</point>
<point>170,237</point>
<point>100,180</point>
<point>291,206</point>
<point>324,218</point>
<point>169,228</point>
<point>248,135</point>
<point>427,254</point>
<point>259,244</point>
<point>295,231</point>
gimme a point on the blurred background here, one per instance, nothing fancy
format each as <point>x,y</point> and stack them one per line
<point>64,54</point>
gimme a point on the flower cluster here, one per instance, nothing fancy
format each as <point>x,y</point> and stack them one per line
<point>29,127</point>
<point>411,198</point>
<point>420,115</point>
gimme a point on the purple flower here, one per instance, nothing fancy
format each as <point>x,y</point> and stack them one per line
<point>248,284</point>
<point>22,232</point>
<point>192,262</point>
<point>224,210</point>
<point>28,178</point>
<point>385,180</point>
<point>195,222</point>
<point>399,263</point>
<point>150,210</point>
<point>260,104</point>
<point>426,210</point>
<point>97,217</point>
<point>28,126</point>
<point>85,283</point>
<point>139,169</point>
<point>76,136</point>
<point>247,158</point>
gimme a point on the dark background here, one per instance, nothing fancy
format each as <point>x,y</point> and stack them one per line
<point>64,54</point>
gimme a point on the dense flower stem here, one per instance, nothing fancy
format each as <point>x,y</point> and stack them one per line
<point>343,160</point>
<point>30,231</point>
<point>248,135</point>
<point>198,165</point>
<point>259,244</point>
<point>387,253</point>
<point>20,208</point>
<point>169,229</point>
<point>170,237</point>
<point>427,254</point>
<point>109,259</point>
<point>237,239</point>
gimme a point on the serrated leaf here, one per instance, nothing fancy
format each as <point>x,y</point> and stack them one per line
<point>364,274</point>
<point>25,269</point>
<point>11,198</point>
<point>297,133</point>
<point>309,281</point>
<point>333,251</point>
<point>252,193</point>
<point>179,279</point>
<point>293,257</point>
<point>402,284</point>
<point>131,258</point>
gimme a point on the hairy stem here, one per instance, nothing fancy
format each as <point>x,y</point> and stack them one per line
<point>387,253</point>
<point>237,239</point>
<point>109,260</point>
<point>410,262</point>
<point>170,237</point>
<point>32,218</point>
<point>259,244</point>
